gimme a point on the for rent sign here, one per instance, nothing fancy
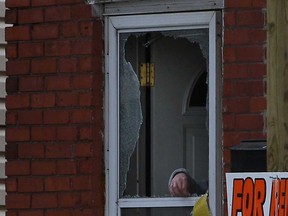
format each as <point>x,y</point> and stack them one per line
<point>257,194</point>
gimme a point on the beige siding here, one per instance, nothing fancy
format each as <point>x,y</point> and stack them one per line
<point>2,107</point>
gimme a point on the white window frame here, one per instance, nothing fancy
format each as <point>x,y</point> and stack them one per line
<point>114,25</point>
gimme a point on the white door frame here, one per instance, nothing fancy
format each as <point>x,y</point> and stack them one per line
<point>115,25</point>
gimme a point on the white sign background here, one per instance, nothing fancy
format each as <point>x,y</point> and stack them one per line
<point>268,176</point>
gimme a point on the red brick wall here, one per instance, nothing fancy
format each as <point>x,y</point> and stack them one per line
<point>54,109</point>
<point>244,70</point>
<point>54,103</point>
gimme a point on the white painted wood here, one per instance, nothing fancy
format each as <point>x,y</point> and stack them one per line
<point>2,87</point>
<point>2,61</point>
<point>2,33</point>
<point>2,196</point>
<point>156,6</point>
<point>2,167</point>
<point>2,8</point>
<point>215,175</point>
<point>158,202</point>
<point>111,114</point>
<point>137,23</point>
<point>2,140</point>
<point>2,116</point>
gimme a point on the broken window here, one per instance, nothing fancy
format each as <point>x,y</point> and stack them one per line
<point>157,110</point>
<point>155,136</point>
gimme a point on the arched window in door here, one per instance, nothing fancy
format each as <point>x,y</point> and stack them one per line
<point>198,96</point>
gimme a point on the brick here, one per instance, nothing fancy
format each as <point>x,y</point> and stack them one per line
<point>11,184</point>
<point>68,200</point>
<point>16,67</point>
<point>17,33</point>
<point>43,100</point>
<point>43,133</point>
<point>257,104</point>
<point>58,212</point>
<point>87,211</point>
<point>11,16</point>
<point>43,168</point>
<point>86,28</point>
<point>86,166</point>
<point>67,133</point>
<point>81,47</point>
<point>229,18</point>
<point>59,13</point>
<point>236,71</point>
<point>12,84</point>
<point>31,213</point>
<point>45,31</point>
<point>257,70</point>
<point>37,3</point>
<point>86,198</point>
<point>31,15</point>
<point>11,213</point>
<point>85,133</point>
<point>56,117</point>
<point>248,36</point>
<point>57,184</point>
<point>69,29</point>
<point>249,88</point>
<point>258,36</point>
<point>59,150</point>
<point>27,150</point>
<point>249,122</point>
<point>81,116</point>
<point>30,184</point>
<point>31,83</point>
<point>68,65</point>
<point>17,3</point>
<point>44,200</point>
<point>15,168</point>
<point>57,83</point>
<point>256,53</point>
<point>65,167</point>
<point>82,82</point>
<point>81,11</point>
<point>82,183</point>
<point>67,99</point>
<point>30,117</point>
<point>40,66</point>
<point>86,64</point>
<point>238,4</point>
<point>11,51</point>
<point>17,134</point>
<point>229,54</point>
<point>30,49</point>
<point>17,101</point>
<point>83,150</point>
<point>236,36</point>
<point>11,117</point>
<point>259,3</point>
<point>85,99</point>
<point>69,1</point>
<point>236,105</point>
<point>57,48</point>
<point>11,151</point>
<point>17,201</point>
<point>250,18</point>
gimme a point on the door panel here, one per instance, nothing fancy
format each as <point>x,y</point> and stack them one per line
<point>177,62</point>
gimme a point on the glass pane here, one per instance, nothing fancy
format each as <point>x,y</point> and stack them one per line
<point>156,211</point>
<point>156,136</point>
